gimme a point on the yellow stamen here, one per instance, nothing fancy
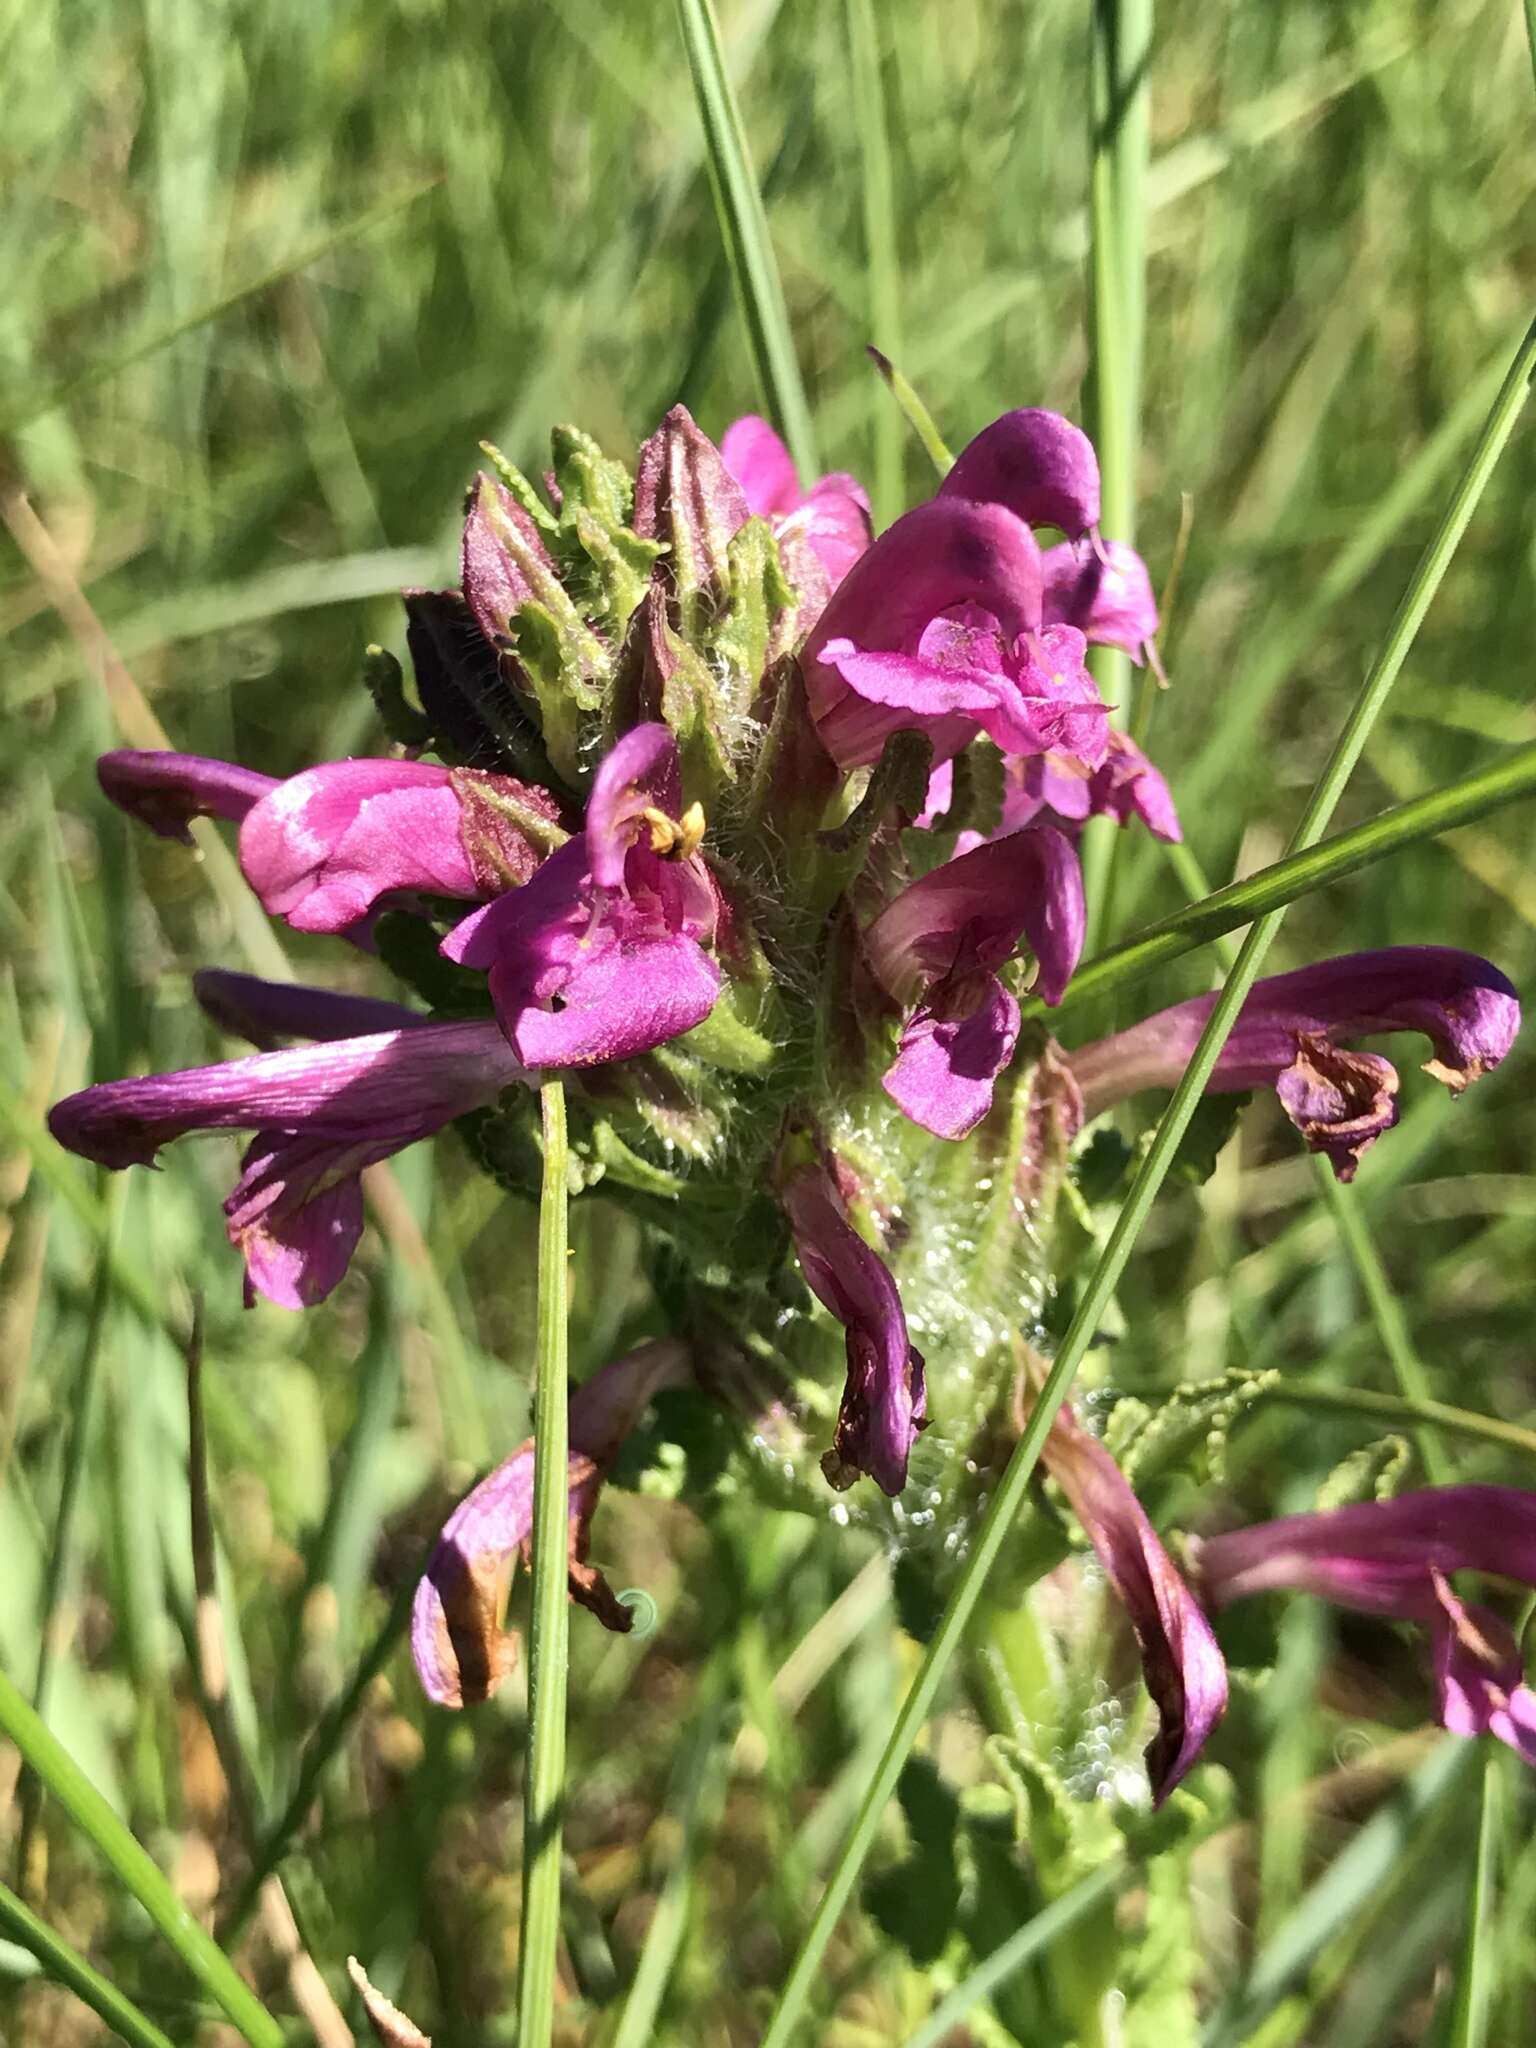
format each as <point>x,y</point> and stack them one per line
<point>675,838</point>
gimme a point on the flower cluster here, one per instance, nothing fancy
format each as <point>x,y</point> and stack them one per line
<point>755,827</point>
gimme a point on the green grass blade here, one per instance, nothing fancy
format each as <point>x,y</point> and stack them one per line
<point>1386,1311</point>
<point>1345,1886</point>
<point>322,1746</point>
<point>75,1793</point>
<point>699,1785</point>
<point>1475,1976</point>
<point>549,1628</point>
<point>1398,1411</point>
<point>913,411</point>
<point>162,337</point>
<point>1120,58</point>
<point>1226,910</point>
<point>881,267</point>
<point>744,229</point>
<point>1029,1941</point>
<point>1105,1276</point>
<point>68,1967</point>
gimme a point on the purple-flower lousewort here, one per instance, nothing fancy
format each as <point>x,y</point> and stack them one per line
<point>754,827</point>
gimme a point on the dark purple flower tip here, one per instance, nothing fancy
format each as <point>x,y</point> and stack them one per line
<point>831,518</point>
<point>1182,1663</point>
<point>320,1113</point>
<point>266,1012</point>
<point>1104,590</point>
<point>167,791</point>
<point>1037,464</point>
<point>934,561</point>
<point>1480,1675</point>
<point>325,846</point>
<point>461,1650</point>
<point>1290,1030</point>
<point>885,1398</point>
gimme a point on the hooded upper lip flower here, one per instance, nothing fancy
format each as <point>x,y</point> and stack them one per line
<point>940,943</point>
<point>953,623</point>
<point>885,1398</point>
<point>831,518</point>
<point>933,561</point>
<point>320,1114</point>
<point>461,1650</point>
<point>1391,1557</point>
<point>601,955</point>
<point>1289,1035</point>
<point>322,848</point>
<point>1181,1661</point>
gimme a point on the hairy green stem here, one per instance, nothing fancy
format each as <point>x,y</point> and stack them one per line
<point>549,1626</point>
<point>1102,1282</point>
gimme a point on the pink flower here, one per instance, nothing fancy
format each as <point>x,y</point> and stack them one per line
<point>1392,1557</point>
<point>938,946</point>
<point>319,1114</point>
<point>831,519</point>
<point>602,955</point>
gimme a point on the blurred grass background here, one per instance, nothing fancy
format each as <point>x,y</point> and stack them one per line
<point>271,274</point>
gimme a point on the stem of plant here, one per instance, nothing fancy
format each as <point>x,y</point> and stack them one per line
<point>544,1783</point>
<point>68,1967</point>
<point>134,1869</point>
<point>1120,59</point>
<point>744,231</point>
<point>1101,1285</point>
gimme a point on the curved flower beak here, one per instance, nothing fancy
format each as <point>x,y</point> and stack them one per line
<point>1290,1036</point>
<point>461,1650</point>
<point>1393,1557</point>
